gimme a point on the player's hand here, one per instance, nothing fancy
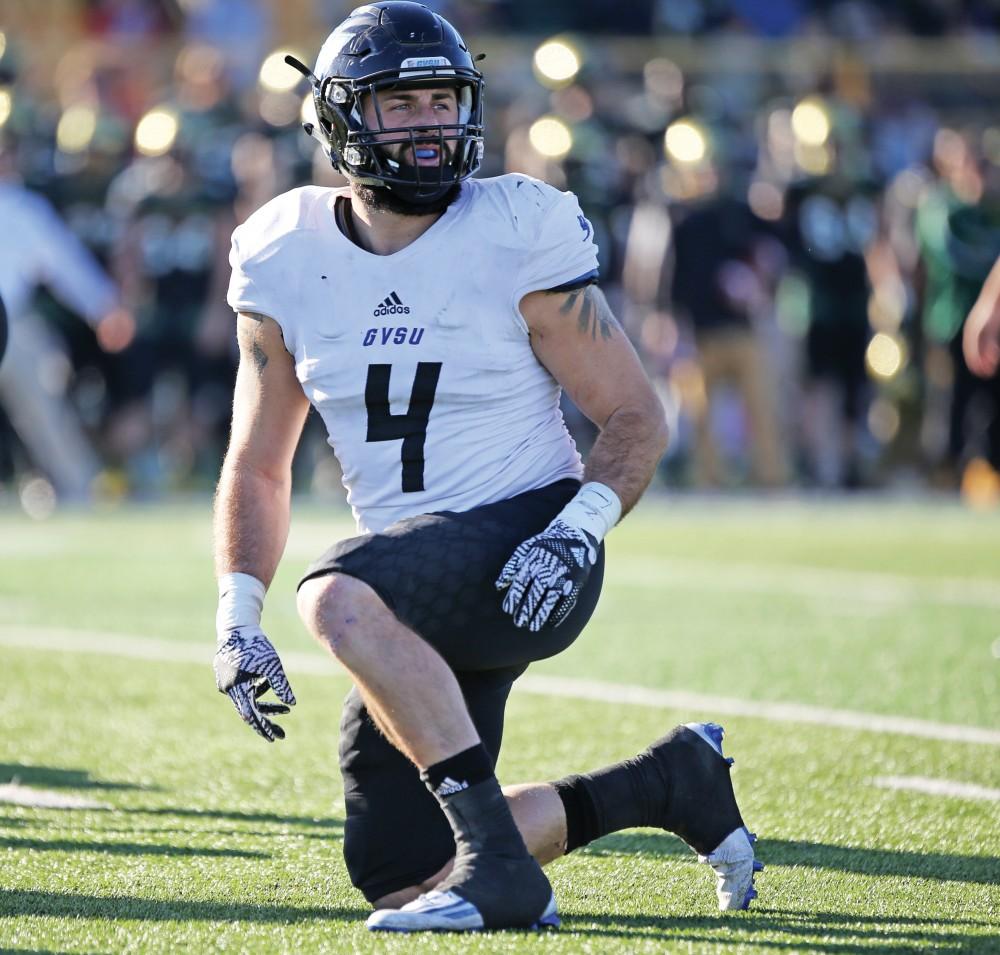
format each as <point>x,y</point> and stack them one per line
<point>545,575</point>
<point>981,340</point>
<point>246,667</point>
<point>116,330</point>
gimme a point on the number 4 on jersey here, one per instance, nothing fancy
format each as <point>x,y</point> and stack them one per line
<point>410,428</point>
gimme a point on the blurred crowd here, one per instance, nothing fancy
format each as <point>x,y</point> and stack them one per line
<point>797,204</point>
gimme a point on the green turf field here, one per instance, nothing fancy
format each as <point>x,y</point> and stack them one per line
<point>208,839</point>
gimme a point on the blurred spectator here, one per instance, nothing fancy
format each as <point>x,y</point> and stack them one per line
<point>36,248</point>
<point>831,223</point>
<point>981,338</point>
<point>127,19</point>
<point>958,228</point>
<point>173,267</point>
<point>239,29</point>
<point>719,288</point>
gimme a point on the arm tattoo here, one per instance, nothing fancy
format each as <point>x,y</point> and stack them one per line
<point>592,312</point>
<point>250,338</point>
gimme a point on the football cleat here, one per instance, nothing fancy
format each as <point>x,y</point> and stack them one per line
<point>445,912</point>
<point>734,866</point>
<point>733,860</point>
<point>700,807</point>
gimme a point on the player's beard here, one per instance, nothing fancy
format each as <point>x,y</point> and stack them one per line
<point>384,199</point>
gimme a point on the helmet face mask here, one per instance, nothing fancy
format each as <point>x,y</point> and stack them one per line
<point>397,45</point>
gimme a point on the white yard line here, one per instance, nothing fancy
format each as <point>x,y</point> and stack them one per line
<point>17,795</point>
<point>707,705</point>
<point>696,704</point>
<point>937,787</point>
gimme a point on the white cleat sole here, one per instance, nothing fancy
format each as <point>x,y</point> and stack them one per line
<point>735,866</point>
<point>444,912</point>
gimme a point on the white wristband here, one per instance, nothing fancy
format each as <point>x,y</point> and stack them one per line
<point>241,600</point>
<point>595,509</point>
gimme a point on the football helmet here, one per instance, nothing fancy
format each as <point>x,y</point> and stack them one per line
<point>395,44</point>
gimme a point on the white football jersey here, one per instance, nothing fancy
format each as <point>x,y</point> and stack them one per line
<point>419,362</point>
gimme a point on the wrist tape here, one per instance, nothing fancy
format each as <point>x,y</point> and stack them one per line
<point>241,600</point>
<point>595,509</point>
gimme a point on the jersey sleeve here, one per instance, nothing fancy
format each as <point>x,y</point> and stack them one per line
<point>562,250</point>
<point>265,252</point>
<point>251,287</point>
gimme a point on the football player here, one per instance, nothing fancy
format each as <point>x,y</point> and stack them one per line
<point>432,319</point>
<point>981,336</point>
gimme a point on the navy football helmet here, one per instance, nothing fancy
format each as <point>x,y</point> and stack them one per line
<point>395,44</point>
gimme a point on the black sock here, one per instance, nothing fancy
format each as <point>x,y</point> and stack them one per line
<point>622,796</point>
<point>493,868</point>
<point>458,772</point>
<point>681,784</point>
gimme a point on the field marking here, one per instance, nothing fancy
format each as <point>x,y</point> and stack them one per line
<point>63,640</point>
<point>15,794</point>
<point>937,787</point>
<point>882,589</point>
<point>705,704</point>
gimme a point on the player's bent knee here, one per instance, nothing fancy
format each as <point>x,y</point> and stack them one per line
<point>335,609</point>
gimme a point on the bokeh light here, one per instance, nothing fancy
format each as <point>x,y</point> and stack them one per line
<point>885,356</point>
<point>276,75</point>
<point>980,485</point>
<point>811,122</point>
<point>663,79</point>
<point>556,63</point>
<point>685,142</point>
<point>280,109</point>
<point>157,131</point>
<point>887,305</point>
<point>550,137</point>
<point>883,420</point>
<point>38,498</point>
<point>815,160</point>
<point>76,128</point>
<point>766,201</point>
<point>6,104</point>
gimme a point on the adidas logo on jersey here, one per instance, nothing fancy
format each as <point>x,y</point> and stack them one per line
<point>450,786</point>
<point>392,305</point>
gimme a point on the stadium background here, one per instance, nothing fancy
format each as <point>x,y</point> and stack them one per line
<point>826,173</point>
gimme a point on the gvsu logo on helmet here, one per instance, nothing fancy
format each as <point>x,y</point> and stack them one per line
<point>391,305</point>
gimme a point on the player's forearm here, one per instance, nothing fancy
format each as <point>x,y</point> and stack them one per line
<point>627,451</point>
<point>251,521</point>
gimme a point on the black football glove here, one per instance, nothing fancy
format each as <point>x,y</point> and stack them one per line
<point>246,667</point>
<point>545,575</point>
